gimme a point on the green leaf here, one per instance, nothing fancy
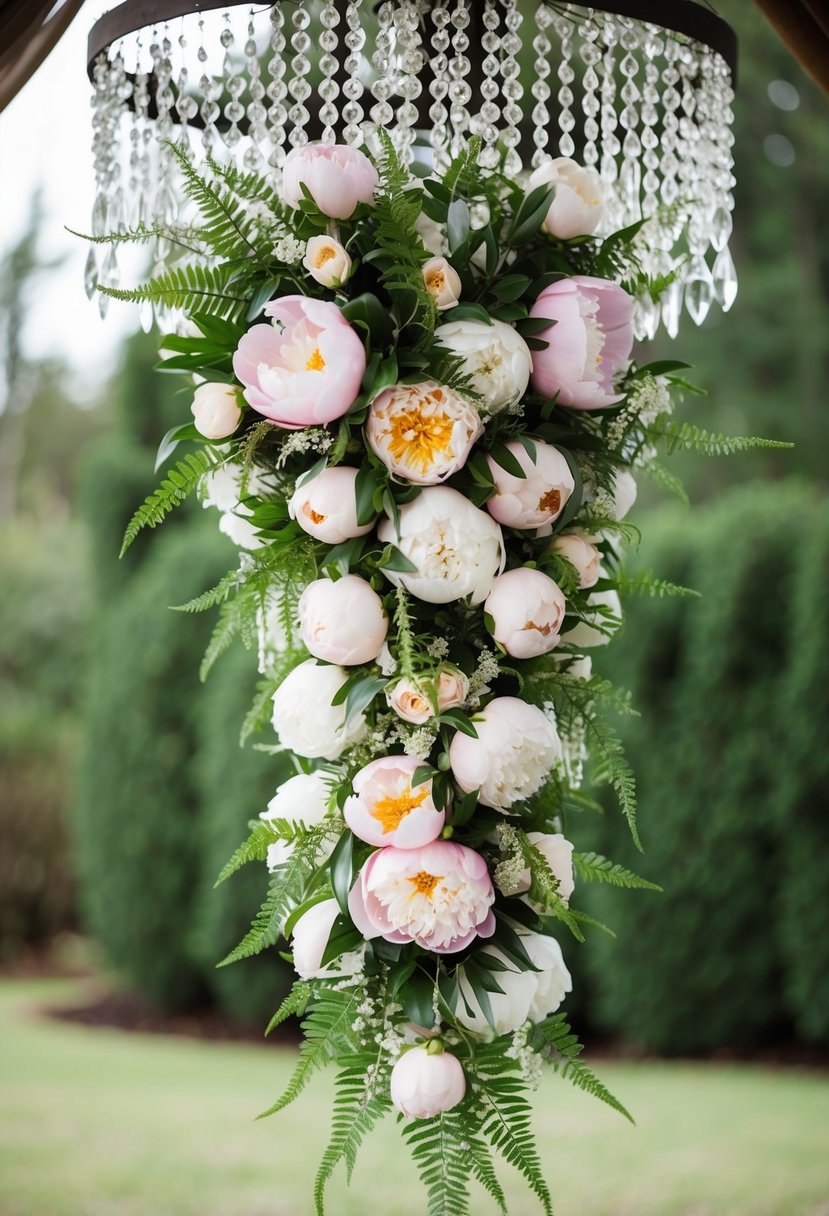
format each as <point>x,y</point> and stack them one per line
<point>341,869</point>
<point>255,848</point>
<point>417,999</point>
<point>501,454</point>
<point>361,695</point>
<point>459,720</point>
<point>369,478</point>
<point>181,480</point>
<point>457,224</point>
<point>295,1003</point>
<point>392,559</point>
<point>592,867</point>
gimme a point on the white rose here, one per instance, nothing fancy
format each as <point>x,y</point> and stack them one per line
<point>300,799</point>
<point>511,758</point>
<point>558,852</point>
<point>579,550</point>
<point>342,622</point>
<point>215,408</point>
<point>577,208</point>
<point>442,282</point>
<point>527,996</point>
<point>327,261</point>
<point>495,356</point>
<point>527,609</point>
<point>304,718</point>
<point>422,432</point>
<point>326,507</point>
<point>456,548</point>
<point>310,937</point>
<point>537,499</point>
<point>604,618</point>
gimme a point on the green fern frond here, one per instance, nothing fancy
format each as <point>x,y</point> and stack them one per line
<point>260,711</point>
<point>647,584</point>
<point>592,867</point>
<point>357,1107</point>
<point>556,1041</point>
<point>227,627</point>
<point>225,587</point>
<point>666,480</point>
<point>543,892</point>
<point>250,186</point>
<point>294,1003</point>
<point>480,1160</point>
<point>685,436</point>
<point>141,235</point>
<point>438,1149</point>
<point>326,1029</point>
<point>228,230</point>
<point>191,287</point>
<point>255,848</point>
<point>180,481</point>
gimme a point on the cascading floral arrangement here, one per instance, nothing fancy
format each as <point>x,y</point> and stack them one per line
<point>419,415</point>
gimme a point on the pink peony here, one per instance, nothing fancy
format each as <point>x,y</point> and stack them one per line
<point>425,1082</point>
<point>589,344</point>
<point>527,609</point>
<point>537,499</point>
<point>387,810</point>
<point>439,896</point>
<point>337,177</point>
<point>306,369</point>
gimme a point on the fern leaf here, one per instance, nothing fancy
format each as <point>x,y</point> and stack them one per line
<point>228,229</point>
<point>295,1003</point>
<point>357,1107</point>
<point>194,288</point>
<point>438,1147</point>
<point>666,480</point>
<point>507,1120</point>
<point>592,867</point>
<point>480,1160</point>
<point>216,595</point>
<point>180,481</point>
<point>255,848</point>
<point>259,712</point>
<point>686,436</point>
<point>656,588</point>
<point>326,1028</point>
<point>227,627</point>
<point>562,1049</point>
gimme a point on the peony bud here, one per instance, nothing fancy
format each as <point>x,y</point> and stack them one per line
<point>426,1082</point>
<point>310,937</point>
<point>527,609</point>
<point>326,506</point>
<point>443,282</point>
<point>216,412</point>
<point>327,261</point>
<point>579,551</point>
<point>342,622</point>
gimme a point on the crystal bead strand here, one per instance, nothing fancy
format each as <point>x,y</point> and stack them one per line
<point>101,151</point>
<point>566,75</point>
<point>540,88</point>
<point>234,111</point>
<point>382,112</point>
<point>353,88</point>
<point>277,91</point>
<point>141,101</point>
<point>591,55</point>
<point>410,55</point>
<point>186,106</point>
<point>257,114</point>
<point>439,84</point>
<point>211,91</point>
<point>699,287</point>
<point>631,173</point>
<point>490,114</point>
<point>653,47</point>
<point>611,146</point>
<point>329,90</point>
<point>459,88</point>
<point>512,89</point>
<point>110,201</point>
<point>298,86</point>
<point>164,205</point>
<point>723,273</point>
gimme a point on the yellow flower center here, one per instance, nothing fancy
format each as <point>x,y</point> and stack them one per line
<point>435,281</point>
<point>313,515</point>
<point>551,501</point>
<point>416,437</point>
<point>544,630</point>
<point>425,883</point>
<point>316,362</point>
<point>325,254</point>
<point>390,812</point>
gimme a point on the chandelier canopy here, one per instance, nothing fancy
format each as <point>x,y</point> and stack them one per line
<point>641,91</point>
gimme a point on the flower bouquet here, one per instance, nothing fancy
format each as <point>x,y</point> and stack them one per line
<point>418,415</point>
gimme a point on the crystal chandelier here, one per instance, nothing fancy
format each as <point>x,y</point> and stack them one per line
<point>642,91</point>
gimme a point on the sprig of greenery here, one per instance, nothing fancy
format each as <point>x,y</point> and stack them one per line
<point>180,482</point>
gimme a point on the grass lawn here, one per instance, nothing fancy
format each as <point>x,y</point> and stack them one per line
<point>103,1123</point>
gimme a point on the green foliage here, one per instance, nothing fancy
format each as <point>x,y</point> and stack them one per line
<point>591,867</point>
<point>437,1148</point>
<point>686,436</point>
<point>181,480</point>
<point>562,1048</point>
<point>228,231</point>
<point>357,1107</point>
<point>195,288</point>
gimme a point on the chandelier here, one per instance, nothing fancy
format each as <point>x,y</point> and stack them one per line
<point>642,91</point>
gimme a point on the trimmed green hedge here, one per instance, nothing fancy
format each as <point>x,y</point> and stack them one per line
<point>732,691</point>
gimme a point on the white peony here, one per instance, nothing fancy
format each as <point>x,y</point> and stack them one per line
<point>538,498</point>
<point>510,760</point>
<point>577,208</point>
<point>326,506</point>
<point>342,622</point>
<point>327,261</point>
<point>304,718</point>
<point>215,409</point>
<point>456,548</point>
<point>300,799</point>
<point>237,527</point>
<point>495,356</point>
<point>525,609</point>
<point>603,619</point>
<point>442,282</point>
<point>527,996</point>
<point>310,937</point>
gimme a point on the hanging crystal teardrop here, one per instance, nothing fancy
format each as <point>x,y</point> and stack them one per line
<point>353,87</point>
<point>512,89</point>
<point>328,88</point>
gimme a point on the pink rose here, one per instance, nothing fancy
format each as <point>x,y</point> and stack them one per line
<point>537,499</point>
<point>439,896</point>
<point>306,369</point>
<point>453,687</point>
<point>326,508</point>
<point>589,344</point>
<point>337,177</point>
<point>426,1081</point>
<point>387,810</point>
<point>578,549</point>
<point>342,622</point>
<point>527,609</point>
<point>410,702</point>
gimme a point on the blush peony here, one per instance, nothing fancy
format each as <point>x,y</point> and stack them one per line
<point>385,809</point>
<point>337,177</point>
<point>326,506</point>
<point>327,261</point>
<point>425,1082</point>
<point>537,499</point>
<point>510,760</point>
<point>442,282</point>
<point>342,622</point>
<point>215,410</point>
<point>456,548</point>
<point>439,896</point>
<point>589,344</point>
<point>304,370</point>
<point>578,549</point>
<point>577,208</point>
<point>527,609</point>
<point>422,432</point>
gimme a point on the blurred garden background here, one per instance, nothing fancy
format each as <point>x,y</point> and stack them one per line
<point>123,790</point>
